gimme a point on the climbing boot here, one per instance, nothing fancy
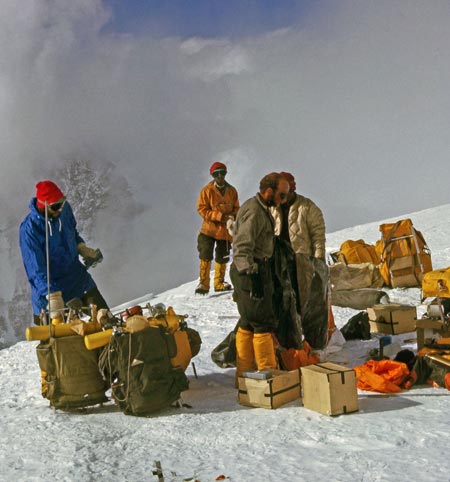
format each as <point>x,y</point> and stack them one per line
<point>264,351</point>
<point>245,355</point>
<point>203,286</point>
<point>219,278</point>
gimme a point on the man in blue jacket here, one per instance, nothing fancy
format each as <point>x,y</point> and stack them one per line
<point>69,277</point>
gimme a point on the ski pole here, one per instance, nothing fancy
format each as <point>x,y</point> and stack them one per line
<point>47,259</point>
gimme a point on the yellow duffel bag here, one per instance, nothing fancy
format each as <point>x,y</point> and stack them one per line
<point>436,283</point>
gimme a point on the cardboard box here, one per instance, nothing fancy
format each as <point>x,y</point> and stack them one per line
<point>273,392</point>
<point>392,319</point>
<point>329,388</point>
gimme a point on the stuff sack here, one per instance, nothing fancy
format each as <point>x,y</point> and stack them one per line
<point>355,276</point>
<point>358,299</point>
<point>357,252</point>
<point>224,354</point>
<point>70,373</point>
<point>139,368</point>
<point>405,256</point>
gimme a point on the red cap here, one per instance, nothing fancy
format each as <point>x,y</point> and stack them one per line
<point>47,191</point>
<point>290,179</point>
<point>216,166</point>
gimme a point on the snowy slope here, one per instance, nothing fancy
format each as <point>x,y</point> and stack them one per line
<point>392,438</point>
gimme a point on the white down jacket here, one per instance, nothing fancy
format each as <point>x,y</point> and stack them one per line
<point>306,227</point>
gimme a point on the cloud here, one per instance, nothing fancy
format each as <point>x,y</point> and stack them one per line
<point>353,100</point>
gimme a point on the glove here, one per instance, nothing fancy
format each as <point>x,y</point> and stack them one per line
<point>91,257</point>
<point>257,291</point>
<point>55,305</point>
<point>230,226</point>
<point>107,319</point>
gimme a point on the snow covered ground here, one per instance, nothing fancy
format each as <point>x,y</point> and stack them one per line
<point>401,437</point>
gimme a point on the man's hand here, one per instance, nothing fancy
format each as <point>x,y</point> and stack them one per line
<point>91,257</point>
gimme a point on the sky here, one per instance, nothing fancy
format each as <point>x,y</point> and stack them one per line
<point>351,97</point>
<point>400,437</point>
<point>208,18</point>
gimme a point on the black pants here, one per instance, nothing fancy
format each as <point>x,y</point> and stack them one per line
<point>205,246</point>
<point>255,315</point>
<point>92,297</point>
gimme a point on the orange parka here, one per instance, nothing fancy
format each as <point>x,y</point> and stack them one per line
<point>215,208</point>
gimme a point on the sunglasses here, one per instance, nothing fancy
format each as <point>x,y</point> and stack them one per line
<point>219,172</point>
<point>55,207</point>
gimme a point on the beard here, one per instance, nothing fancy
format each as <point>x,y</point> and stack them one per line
<point>271,200</point>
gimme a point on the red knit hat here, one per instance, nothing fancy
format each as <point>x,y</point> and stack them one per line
<point>290,179</point>
<point>47,191</point>
<point>216,166</point>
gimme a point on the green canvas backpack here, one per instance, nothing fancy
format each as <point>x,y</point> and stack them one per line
<point>70,374</point>
<point>139,370</point>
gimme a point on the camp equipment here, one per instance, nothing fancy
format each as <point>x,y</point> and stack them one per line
<point>355,276</point>
<point>329,388</point>
<point>269,389</point>
<point>405,256</point>
<point>44,332</point>
<point>359,299</point>
<point>436,283</point>
<point>139,370</point>
<point>392,318</point>
<point>186,339</point>
<point>357,252</point>
<point>70,375</point>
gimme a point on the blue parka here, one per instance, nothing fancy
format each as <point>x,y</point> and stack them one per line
<point>67,273</point>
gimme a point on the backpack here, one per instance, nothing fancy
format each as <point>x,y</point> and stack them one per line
<point>138,367</point>
<point>70,374</point>
<point>357,327</point>
<point>405,256</point>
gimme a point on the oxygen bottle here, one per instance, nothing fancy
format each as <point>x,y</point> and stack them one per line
<point>96,340</point>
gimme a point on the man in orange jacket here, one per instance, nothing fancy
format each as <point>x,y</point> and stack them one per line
<point>217,203</point>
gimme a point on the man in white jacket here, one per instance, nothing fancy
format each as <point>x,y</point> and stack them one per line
<point>300,222</point>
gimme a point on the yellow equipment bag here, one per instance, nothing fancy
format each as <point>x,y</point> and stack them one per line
<point>405,256</point>
<point>436,283</point>
<point>356,252</point>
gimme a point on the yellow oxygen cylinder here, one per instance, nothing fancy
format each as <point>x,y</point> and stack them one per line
<point>184,353</point>
<point>44,332</point>
<point>96,340</point>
